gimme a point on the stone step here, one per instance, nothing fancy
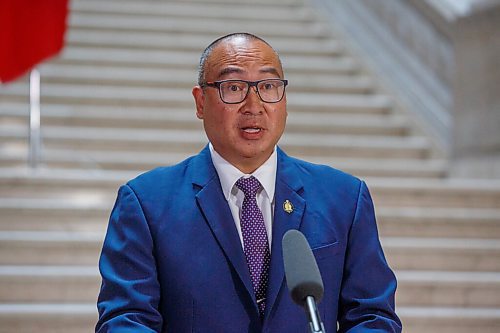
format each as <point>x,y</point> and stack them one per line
<point>50,284</point>
<point>457,289</point>
<point>71,284</point>
<point>51,190</point>
<point>435,193</point>
<point>56,215</point>
<point>185,78</point>
<point>145,97</point>
<point>191,141</point>
<point>81,318</point>
<point>122,23</point>
<point>114,56</point>
<point>85,195</point>
<point>31,214</point>
<point>449,319</point>
<point>342,103</point>
<point>14,153</point>
<point>403,253</point>
<point>484,201</point>
<point>413,194</point>
<point>458,254</point>
<point>452,222</point>
<point>47,317</point>
<point>164,9</point>
<point>115,117</point>
<point>50,248</point>
<point>151,58</point>
<point>117,76</point>
<point>155,40</point>
<point>62,179</point>
<point>385,166</point>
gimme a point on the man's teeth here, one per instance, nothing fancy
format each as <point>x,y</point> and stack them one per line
<point>252,130</point>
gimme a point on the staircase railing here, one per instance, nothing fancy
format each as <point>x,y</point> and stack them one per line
<point>35,138</point>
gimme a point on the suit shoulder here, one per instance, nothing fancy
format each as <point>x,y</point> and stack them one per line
<point>160,175</point>
<point>324,172</point>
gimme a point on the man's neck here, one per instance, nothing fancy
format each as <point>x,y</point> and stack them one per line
<point>247,165</point>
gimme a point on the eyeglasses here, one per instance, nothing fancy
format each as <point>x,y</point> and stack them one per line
<point>235,91</point>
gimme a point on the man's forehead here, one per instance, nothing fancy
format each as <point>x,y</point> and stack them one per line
<point>224,71</point>
<point>232,56</point>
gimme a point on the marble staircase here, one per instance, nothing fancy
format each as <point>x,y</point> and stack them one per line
<point>117,102</point>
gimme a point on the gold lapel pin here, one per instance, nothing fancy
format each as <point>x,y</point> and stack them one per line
<point>287,206</point>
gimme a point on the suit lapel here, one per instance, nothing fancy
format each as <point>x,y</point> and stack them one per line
<point>288,187</point>
<point>220,220</point>
<point>218,216</point>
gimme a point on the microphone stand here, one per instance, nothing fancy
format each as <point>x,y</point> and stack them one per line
<point>315,323</point>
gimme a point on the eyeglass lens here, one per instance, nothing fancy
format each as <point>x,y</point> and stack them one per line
<point>235,91</point>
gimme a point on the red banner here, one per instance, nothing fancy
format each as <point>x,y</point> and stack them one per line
<point>30,32</point>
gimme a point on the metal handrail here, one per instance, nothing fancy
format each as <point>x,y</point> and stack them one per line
<point>35,139</point>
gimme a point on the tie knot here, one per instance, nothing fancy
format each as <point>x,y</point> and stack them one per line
<point>249,185</point>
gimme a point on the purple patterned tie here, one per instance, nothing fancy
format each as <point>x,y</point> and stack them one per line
<point>255,244</point>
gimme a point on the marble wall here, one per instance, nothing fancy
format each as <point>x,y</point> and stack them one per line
<point>441,58</point>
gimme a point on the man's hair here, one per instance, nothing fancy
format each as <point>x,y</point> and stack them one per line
<point>208,51</point>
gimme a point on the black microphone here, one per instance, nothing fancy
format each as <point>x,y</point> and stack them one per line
<point>303,277</point>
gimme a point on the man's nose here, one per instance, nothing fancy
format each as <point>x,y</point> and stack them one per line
<point>253,103</point>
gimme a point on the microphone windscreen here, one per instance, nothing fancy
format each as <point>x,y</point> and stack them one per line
<point>302,274</point>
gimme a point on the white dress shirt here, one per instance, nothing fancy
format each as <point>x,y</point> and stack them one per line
<point>266,174</point>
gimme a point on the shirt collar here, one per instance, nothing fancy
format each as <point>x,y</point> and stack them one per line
<point>229,174</point>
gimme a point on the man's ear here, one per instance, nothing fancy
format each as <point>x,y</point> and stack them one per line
<point>199,99</point>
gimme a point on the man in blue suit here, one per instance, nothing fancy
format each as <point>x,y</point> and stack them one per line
<point>179,253</point>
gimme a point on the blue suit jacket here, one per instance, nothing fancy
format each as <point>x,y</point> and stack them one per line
<point>172,259</point>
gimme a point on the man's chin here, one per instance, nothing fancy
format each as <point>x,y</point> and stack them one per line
<point>256,153</point>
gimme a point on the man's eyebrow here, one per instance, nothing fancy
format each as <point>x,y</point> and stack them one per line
<point>271,70</point>
<point>230,70</point>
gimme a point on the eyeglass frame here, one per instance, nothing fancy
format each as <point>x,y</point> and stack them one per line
<point>216,84</point>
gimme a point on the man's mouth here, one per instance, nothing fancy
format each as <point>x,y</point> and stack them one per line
<point>251,129</point>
